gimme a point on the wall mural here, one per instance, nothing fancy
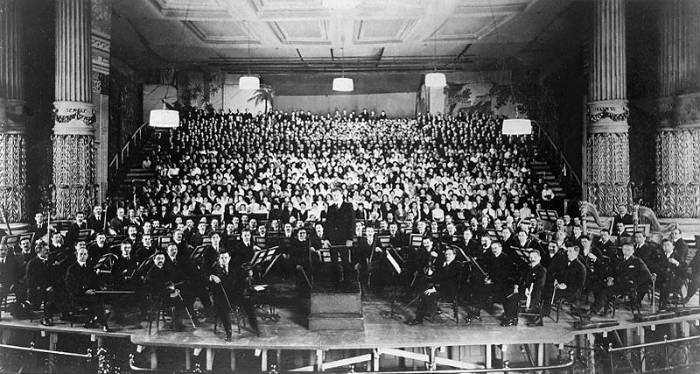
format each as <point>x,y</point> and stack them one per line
<point>124,109</point>
<point>468,97</point>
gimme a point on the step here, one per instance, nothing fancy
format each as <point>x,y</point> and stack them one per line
<point>336,321</point>
<point>335,303</point>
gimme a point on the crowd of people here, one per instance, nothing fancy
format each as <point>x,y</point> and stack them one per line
<point>442,207</point>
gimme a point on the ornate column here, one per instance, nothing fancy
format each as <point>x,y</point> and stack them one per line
<point>678,131</point>
<point>74,113</point>
<point>13,168</point>
<point>607,174</point>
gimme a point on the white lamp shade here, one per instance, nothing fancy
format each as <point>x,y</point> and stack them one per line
<point>343,85</point>
<point>164,118</point>
<point>517,126</point>
<point>248,82</point>
<point>435,80</point>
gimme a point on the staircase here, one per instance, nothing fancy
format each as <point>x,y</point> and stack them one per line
<point>125,168</point>
<point>542,169</point>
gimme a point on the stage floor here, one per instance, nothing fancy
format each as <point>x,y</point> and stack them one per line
<point>291,332</point>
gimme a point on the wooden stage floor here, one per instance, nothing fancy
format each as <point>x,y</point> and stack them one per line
<point>290,332</point>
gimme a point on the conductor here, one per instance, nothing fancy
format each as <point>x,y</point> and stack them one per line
<point>340,221</point>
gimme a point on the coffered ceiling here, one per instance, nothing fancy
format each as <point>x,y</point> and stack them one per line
<point>332,35</point>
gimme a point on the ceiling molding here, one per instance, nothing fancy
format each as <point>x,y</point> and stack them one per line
<point>204,10</point>
<point>244,39</point>
<point>286,36</point>
<point>399,36</point>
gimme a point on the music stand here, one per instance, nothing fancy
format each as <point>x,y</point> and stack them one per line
<point>547,214</point>
<point>415,240</point>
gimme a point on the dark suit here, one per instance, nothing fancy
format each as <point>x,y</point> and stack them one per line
<point>161,282</point>
<point>632,277</point>
<point>670,276</point>
<point>339,228</point>
<point>79,279</point>
<point>650,254</point>
<point>11,275</point>
<point>40,277</point>
<point>232,289</point>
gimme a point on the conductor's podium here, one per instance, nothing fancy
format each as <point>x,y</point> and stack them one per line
<point>336,309</point>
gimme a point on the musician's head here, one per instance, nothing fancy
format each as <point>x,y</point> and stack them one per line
<point>57,239</point>
<point>421,226</point>
<point>39,218</point>
<point>41,249</point>
<point>159,259</point>
<point>572,252</point>
<point>235,221</point>
<point>449,254</point>
<point>522,237</point>
<point>567,219</point>
<point>147,240</point>
<point>126,249</point>
<point>622,209</point>
<point>120,213</point>
<point>81,253</point>
<point>177,236</point>
<point>3,250</point>
<point>393,228</point>
<point>486,241</point>
<point>172,251</point>
<point>202,227</point>
<point>627,250</point>
<point>560,223</point>
<point>577,230</point>
<point>675,234</point>
<point>214,224</point>
<point>604,235</point>
<point>97,210</point>
<point>288,229</point>
<point>215,239</point>
<point>535,257</point>
<point>147,228</point>
<point>552,247</point>
<point>337,194</point>
<point>132,232</point>
<point>245,235</point>
<point>496,249</point>
<point>620,228</point>
<point>101,239</point>
<point>79,217</point>
<point>639,237</point>
<point>224,258</point>
<point>467,234</point>
<point>561,235</point>
<point>369,231</point>
<point>319,230</point>
<point>302,236</point>
<point>667,246</point>
<point>585,241</point>
<point>428,244</point>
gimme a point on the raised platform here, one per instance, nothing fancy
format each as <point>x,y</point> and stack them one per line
<point>290,332</point>
<point>336,309</point>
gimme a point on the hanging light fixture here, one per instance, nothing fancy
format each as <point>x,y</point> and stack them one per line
<point>343,84</point>
<point>435,79</point>
<point>248,82</point>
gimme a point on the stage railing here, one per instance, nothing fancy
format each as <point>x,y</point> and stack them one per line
<point>662,355</point>
<point>122,158</point>
<point>569,178</point>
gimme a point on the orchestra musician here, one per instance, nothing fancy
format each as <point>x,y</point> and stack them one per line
<point>501,282</point>
<point>11,274</point>
<point>647,251</point>
<point>97,249</point>
<point>81,284</point>
<point>96,221</point>
<point>534,284</point>
<point>145,249</point>
<point>163,289</point>
<point>596,264</point>
<point>231,286</point>
<point>672,269</point>
<point>396,238</point>
<point>340,220</point>
<point>123,279</point>
<point>74,230</point>
<point>631,277</point>
<point>566,278</point>
<point>426,285</point>
<point>366,257</point>
<point>41,283</point>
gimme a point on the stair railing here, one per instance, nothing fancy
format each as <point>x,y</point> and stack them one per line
<point>121,159</point>
<point>566,174</point>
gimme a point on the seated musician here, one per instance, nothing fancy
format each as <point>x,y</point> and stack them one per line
<point>449,276</point>
<point>597,265</point>
<point>98,248</point>
<point>81,284</point>
<point>671,274</point>
<point>244,249</point>
<point>426,286</point>
<point>25,253</point>
<point>366,256</point>
<point>421,257</point>
<point>58,247</point>
<point>163,289</point>
<point>630,277</point>
<point>566,278</point>
<point>396,238</point>
<point>132,235</point>
<point>11,275</point>
<point>184,276</point>
<point>647,251</point>
<point>679,244</point>
<point>75,227</point>
<point>123,279</point>
<point>230,287</point>
<point>197,237</point>
<point>184,250</point>
<point>533,286</point>
<point>303,258</point>
<point>145,249</point>
<point>41,283</point>
<point>450,235</point>
<point>607,247</point>
<point>230,236</point>
<point>501,282</point>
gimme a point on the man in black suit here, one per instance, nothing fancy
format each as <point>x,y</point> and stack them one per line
<point>40,283</point>
<point>10,275</point>
<point>672,269</point>
<point>396,238</point>
<point>566,277</point>
<point>97,249</point>
<point>230,288</point>
<point>244,249</point>
<point>449,275</point>
<point>81,284</point>
<point>533,284</point>
<point>679,245</point>
<point>647,251</point>
<point>163,289</point>
<point>631,277</point>
<point>75,227</point>
<point>694,277</point>
<point>118,224</point>
<point>501,282</point>
<point>96,221</point>
<point>340,221</point>
<point>39,227</point>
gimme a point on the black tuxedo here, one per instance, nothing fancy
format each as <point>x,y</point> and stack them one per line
<point>79,279</point>
<point>230,291</point>
<point>40,277</point>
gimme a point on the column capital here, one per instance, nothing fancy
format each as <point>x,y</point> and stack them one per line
<point>681,111</point>
<point>12,116</point>
<point>73,118</point>
<point>608,116</point>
